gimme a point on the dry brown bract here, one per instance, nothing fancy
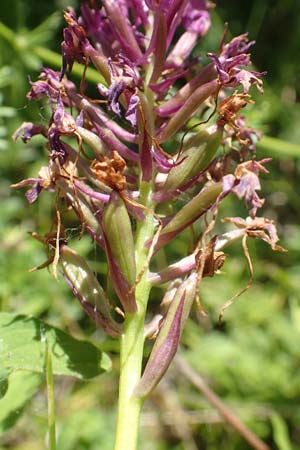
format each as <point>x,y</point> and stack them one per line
<point>110,171</point>
<point>230,106</point>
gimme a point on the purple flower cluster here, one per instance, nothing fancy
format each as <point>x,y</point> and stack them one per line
<point>139,132</point>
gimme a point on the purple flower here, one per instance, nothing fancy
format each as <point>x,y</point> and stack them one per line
<point>231,62</point>
<point>149,156</point>
<point>131,113</point>
<point>258,227</point>
<point>122,29</point>
<point>245,182</point>
<point>196,17</point>
<point>33,193</point>
<point>43,181</point>
<point>47,85</point>
<point>28,129</point>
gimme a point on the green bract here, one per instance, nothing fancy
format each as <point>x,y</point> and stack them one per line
<point>88,290</point>
<point>118,232</point>
<point>197,155</point>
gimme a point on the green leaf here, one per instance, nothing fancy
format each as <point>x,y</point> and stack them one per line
<point>23,347</point>
<point>22,386</point>
<point>88,428</point>
<point>281,433</point>
<point>4,374</point>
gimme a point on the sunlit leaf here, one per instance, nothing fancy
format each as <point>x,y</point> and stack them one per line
<point>23,347</point>
<point>21,387</point>
<point>281,433</point>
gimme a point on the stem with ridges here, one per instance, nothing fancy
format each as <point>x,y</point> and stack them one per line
<point>132,340</point>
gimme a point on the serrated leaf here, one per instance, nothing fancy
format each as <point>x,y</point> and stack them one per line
<point>23,347</point>
<point>21,387</point>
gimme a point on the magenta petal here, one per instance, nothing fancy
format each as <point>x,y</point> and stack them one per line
<point>91,193</point>
<point>173,271</point>
<point>164,164</point>
<point>132,110</point>
<point>33,193</point>
<point>162,88</point>
<point>122,29</point>
<point>107,136</point>
<point>28,129</point>
<point>197,20</point>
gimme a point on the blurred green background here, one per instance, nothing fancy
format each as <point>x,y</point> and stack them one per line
<point>252,361</point>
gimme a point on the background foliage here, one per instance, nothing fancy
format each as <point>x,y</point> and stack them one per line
<point>252,360</point>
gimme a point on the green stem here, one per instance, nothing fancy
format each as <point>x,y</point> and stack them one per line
<point>132,343</point>
<point>51,401</point>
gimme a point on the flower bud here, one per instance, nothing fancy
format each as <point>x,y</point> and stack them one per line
<point>88,290</point>
<point>120,249</point>
<point>123,29</point>
<point>199,152</point>
<point>167,341</point>
<point>160,39</point>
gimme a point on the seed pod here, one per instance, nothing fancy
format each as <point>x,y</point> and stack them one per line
<point>120,249</point>
<point>167,341</point>
<point>88,290</point>
<point>189,213</point>
<point>199,152</point>
<point>93,141</point>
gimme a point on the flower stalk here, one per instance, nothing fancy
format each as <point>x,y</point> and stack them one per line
<point>132,347</point>
<point>136,176</point>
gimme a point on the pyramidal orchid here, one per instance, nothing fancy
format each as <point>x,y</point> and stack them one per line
<point>153,153</point>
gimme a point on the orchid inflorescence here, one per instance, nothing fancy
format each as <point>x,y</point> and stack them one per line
<point>147,155</point>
